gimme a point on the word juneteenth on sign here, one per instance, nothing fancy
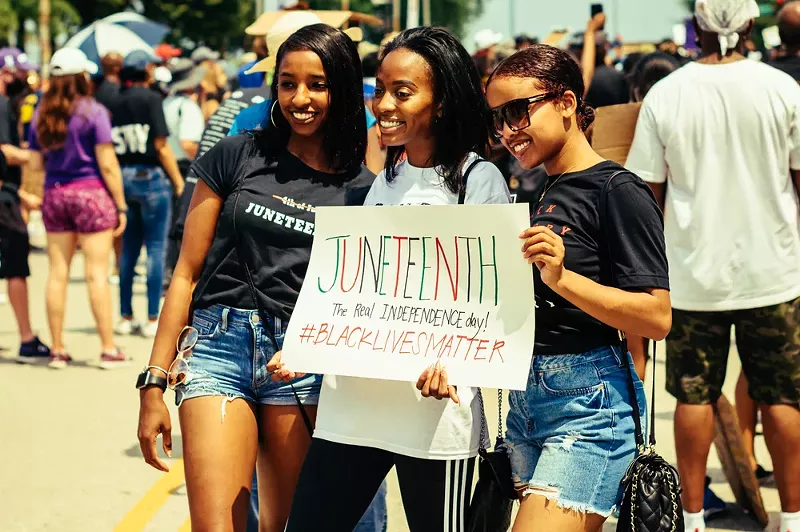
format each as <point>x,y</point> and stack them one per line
<point>389,298</point>
<point>399,254</point>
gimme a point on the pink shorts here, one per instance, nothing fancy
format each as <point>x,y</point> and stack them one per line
<point>82,207</point>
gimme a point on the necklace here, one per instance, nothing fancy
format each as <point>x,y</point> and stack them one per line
<point>555,181</point>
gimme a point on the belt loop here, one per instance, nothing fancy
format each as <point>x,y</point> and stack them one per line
<point>277,326</point>
<point>225,312</point>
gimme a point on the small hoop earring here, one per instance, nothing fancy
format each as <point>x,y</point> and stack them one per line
<point>271,114</point>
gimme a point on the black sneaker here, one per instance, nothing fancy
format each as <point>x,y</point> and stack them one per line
<point>764,477</point>
<point>33,352</point>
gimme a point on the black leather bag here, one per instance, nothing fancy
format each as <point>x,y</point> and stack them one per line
<point>652,487</point>
<point>494,495</point>
<point>652,498</point>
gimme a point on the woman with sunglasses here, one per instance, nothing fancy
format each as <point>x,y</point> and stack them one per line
<point>597,244</point>
<point>237,281</point>
<point>430,107</point>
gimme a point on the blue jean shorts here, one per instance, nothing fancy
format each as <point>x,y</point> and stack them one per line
<point>571,432</point>
<point>230,359</point>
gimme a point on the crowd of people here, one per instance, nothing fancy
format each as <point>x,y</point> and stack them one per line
<point>697,241</point>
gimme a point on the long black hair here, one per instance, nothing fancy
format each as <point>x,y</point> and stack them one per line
<point>463,125</point>
<point>344,131</point>
<point>555,70</point>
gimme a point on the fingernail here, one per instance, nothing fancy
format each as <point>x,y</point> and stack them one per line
<point>169,453</point>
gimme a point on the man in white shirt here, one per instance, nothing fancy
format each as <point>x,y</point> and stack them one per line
<point>719,143</point>
<point>184,117</point>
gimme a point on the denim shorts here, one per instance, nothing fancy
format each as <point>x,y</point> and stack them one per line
<point>230,359</point>
<point>571,432</point>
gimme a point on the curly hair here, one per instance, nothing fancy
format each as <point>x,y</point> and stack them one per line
<point>556,72</point>
<point>58,104</point>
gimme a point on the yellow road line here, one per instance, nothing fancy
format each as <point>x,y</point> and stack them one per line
<point>144,511</point>
<point>186,526</point>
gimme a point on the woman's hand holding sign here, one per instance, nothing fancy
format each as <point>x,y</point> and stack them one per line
<point>278,370</point>
<point>545,249</point>
<point>433,383</point>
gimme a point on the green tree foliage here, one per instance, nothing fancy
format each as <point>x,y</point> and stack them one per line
<point>63,14</point>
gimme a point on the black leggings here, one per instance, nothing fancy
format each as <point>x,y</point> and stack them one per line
<point>337,484</point>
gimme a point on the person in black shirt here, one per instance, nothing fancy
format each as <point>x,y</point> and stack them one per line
<point>109,87</point>
<point>140,132</point>
<point>252,217</point>
<point>14,243</point>
<point>789,29</point>
<point>604,86</point>
<point>597,245</point>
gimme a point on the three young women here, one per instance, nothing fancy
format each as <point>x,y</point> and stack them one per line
<point>597,244</point>
<point>433,118</point>
<point>236,283</point>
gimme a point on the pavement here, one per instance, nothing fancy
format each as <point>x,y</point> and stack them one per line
<point>71,462</point>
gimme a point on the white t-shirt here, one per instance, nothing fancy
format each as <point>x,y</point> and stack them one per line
<point>393,415</point>
<point>723,138</point>
<point>185,122</point>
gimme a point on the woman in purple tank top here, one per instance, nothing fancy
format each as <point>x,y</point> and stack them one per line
<point>84,204</point>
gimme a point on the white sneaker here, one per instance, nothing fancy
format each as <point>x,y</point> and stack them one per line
<point>149,329</point>
<point>126,327</point>
<point>113,280</point>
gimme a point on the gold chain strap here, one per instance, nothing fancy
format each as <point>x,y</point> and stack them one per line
<point>672,494</point>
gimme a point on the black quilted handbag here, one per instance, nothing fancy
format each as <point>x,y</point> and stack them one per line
<point>652,499</point>
<point>494,495</point>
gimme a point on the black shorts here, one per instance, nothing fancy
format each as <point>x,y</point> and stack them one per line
<point>14,244</point>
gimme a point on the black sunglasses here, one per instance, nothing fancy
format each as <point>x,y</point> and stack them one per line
<point>516,113</point>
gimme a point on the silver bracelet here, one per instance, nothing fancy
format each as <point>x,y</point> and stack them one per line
<point>159,368</point>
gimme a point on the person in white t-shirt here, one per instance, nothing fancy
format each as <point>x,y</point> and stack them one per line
<point>184,117</point>
<point>430,108</point>
<point>719,142</point>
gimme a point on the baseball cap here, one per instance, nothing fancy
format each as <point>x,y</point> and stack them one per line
<point>70,61</point>
<point>138,60</point>
<point>204,53</point>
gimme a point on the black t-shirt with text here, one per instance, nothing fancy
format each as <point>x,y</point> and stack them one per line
<point>608,87</point>
<point>274,219</point>
<point>137,119</point>
<point>623,248</point>
<point>12,177</point>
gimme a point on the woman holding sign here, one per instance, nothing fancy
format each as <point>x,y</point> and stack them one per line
<point>597,242</point>
<point>238,277</point>
<point>430,107</point>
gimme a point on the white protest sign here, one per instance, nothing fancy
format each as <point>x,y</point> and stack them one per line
<point>391,290</point>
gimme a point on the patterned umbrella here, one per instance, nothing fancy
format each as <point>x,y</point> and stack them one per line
<point>122,33</point>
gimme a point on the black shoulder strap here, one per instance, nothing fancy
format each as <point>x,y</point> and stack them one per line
<point>462,192</point>
<point>637,414</point>
<point>241,252</point>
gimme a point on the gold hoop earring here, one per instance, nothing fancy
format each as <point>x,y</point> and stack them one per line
<point>271,114</point>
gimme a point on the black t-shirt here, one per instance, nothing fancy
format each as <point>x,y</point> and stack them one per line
<point>275,221</point>
<point>137,119</point>
<point>12,178</point>
<point>628,253</point>
<point>608,87</point>
<point>790,65</point>
<point>107,93</point>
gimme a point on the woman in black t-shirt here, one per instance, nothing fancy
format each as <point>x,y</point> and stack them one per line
<point>251,223</point>
<point>598,246</point>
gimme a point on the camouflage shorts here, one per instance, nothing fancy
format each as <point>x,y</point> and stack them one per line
<point>768,341</point>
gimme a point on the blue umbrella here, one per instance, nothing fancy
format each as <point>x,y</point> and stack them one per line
<point>121,33</point>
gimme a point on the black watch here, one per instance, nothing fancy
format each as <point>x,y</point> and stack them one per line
<point>150,379</point>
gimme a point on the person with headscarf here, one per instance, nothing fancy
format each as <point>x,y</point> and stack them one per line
<point>718,141</point>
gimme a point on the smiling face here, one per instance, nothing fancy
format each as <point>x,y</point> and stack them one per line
<point>546,135</point>
<point>403,100</point>
<point>303,92</point>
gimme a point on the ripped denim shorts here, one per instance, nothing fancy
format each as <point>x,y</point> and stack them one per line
<point>230,359</point>
<point>571,432</point>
